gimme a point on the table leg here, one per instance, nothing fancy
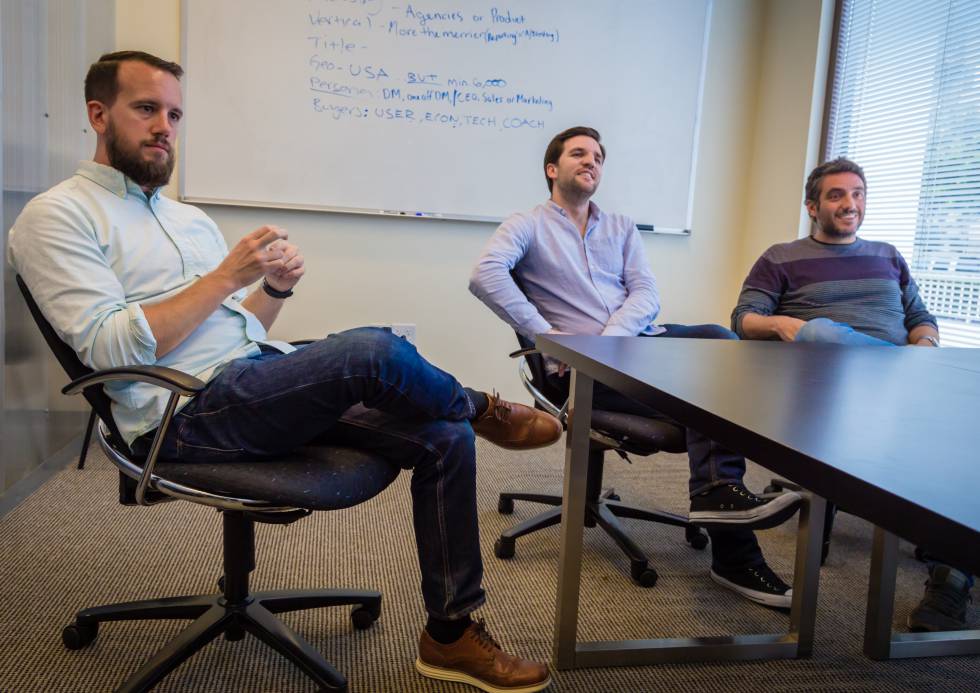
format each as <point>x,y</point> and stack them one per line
<point>569,653</point>
<point>881,595</point>
<point>572,519</point>
<point>879,640</point>
<point>806,574</point>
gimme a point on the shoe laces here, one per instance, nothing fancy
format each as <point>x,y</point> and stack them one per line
<point>483,637</point>
<point>768,578</point>
<point>742,491</point>
<point>499,409</point>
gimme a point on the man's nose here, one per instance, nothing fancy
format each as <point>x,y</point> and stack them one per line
<point>162,124</point>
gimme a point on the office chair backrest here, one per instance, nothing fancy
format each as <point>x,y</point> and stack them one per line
<point>71,364</point>
<point>535,362</point>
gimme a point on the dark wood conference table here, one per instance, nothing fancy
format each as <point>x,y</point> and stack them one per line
<point>889,435</point>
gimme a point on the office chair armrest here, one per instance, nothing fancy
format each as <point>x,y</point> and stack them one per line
<point>543,402</point>
<point>176,381</point>
<point>179,384</point>
<point>523,352</point>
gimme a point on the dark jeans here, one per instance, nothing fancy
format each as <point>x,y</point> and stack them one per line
<point>413,414</point>
<point>711,464</point>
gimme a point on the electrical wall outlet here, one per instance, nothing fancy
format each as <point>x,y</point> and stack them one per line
<point>404,329</point>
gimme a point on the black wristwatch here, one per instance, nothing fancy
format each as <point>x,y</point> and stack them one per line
<point>274,292</point>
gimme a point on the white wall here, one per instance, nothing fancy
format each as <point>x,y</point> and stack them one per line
<point>753,154</point>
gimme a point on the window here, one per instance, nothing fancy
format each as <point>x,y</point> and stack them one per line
<point>905,105</point>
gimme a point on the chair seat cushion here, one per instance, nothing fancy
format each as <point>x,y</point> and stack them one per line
<point>640,434</point>
<point>316,477</point>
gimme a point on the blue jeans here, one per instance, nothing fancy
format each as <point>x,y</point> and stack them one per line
<point>711,464</point>
<point>830,332</point>
<point>368,389</point>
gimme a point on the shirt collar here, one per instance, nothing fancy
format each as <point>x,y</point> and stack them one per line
<point>594,211</point>
<point>113,180</point>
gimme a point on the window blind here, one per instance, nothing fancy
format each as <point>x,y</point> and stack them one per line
<point>905,105</point>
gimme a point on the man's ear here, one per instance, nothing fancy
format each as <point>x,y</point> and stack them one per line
<point>551,170</point>
<point>98,116</point>
<point>811,209</point>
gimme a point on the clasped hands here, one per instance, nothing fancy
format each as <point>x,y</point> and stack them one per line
<point>265,252</point>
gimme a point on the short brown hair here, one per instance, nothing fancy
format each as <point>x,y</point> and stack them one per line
<point>557,146</point>
<point>102,83</point>
<point>838,165</point>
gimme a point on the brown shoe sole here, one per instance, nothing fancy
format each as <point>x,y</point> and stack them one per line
<point>434,672</point>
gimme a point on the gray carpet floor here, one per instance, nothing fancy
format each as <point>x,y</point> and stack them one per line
<point>70,545</point>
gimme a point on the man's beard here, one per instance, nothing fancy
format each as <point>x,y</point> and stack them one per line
<point>146,173</point>
<point>834,231</point>
<point>573,190</point>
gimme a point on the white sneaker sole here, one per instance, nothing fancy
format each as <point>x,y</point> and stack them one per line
<point>779,601</point>
<point>441,674</point>
<point>773,513</point>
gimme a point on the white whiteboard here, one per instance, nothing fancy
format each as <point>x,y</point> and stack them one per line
<point>439,108</point>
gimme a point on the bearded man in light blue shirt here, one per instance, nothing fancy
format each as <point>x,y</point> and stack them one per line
<point>583,270</point>
<point>128,276</point>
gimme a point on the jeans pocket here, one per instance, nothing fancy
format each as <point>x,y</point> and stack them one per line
<point>192,448</point>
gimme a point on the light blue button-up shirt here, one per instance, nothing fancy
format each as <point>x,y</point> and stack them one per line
<point>94,249</point>
<point>596,284</point>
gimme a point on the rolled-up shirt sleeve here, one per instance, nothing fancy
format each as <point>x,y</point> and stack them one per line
<point>491,282</point>
<point>642,304</point>
<point>56,249</point>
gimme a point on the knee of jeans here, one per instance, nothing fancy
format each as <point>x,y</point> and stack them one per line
<point>817,330</point>
<point>374,342</point>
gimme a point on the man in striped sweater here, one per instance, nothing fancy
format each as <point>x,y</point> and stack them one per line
<point>835,287</point>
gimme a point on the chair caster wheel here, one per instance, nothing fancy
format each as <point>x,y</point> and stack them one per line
<point>504,548</point>
<point>643,575</point>
<point>221,583</point>
<point>505,506</point>
<point>697,539</point>
<point>76,636</point>
<point>363,617</point>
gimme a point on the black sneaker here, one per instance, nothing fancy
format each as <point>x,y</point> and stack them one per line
<point>944,605</point>
<point>736,505</point>
<point>757,583</point>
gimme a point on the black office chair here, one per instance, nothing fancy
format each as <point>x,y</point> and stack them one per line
<point>623,433</point>
<point>315,477</point>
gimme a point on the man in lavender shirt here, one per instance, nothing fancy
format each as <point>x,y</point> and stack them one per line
<point>584,271</point>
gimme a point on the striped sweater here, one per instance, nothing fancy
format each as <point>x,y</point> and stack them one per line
<point>865,284</point>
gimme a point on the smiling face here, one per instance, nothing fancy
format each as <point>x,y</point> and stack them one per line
<point>577,173</point>
<point>839,209</point>
<point>137,132</point>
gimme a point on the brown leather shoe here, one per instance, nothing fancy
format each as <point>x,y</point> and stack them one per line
<point>477,659</point>
<point>516,426</point>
